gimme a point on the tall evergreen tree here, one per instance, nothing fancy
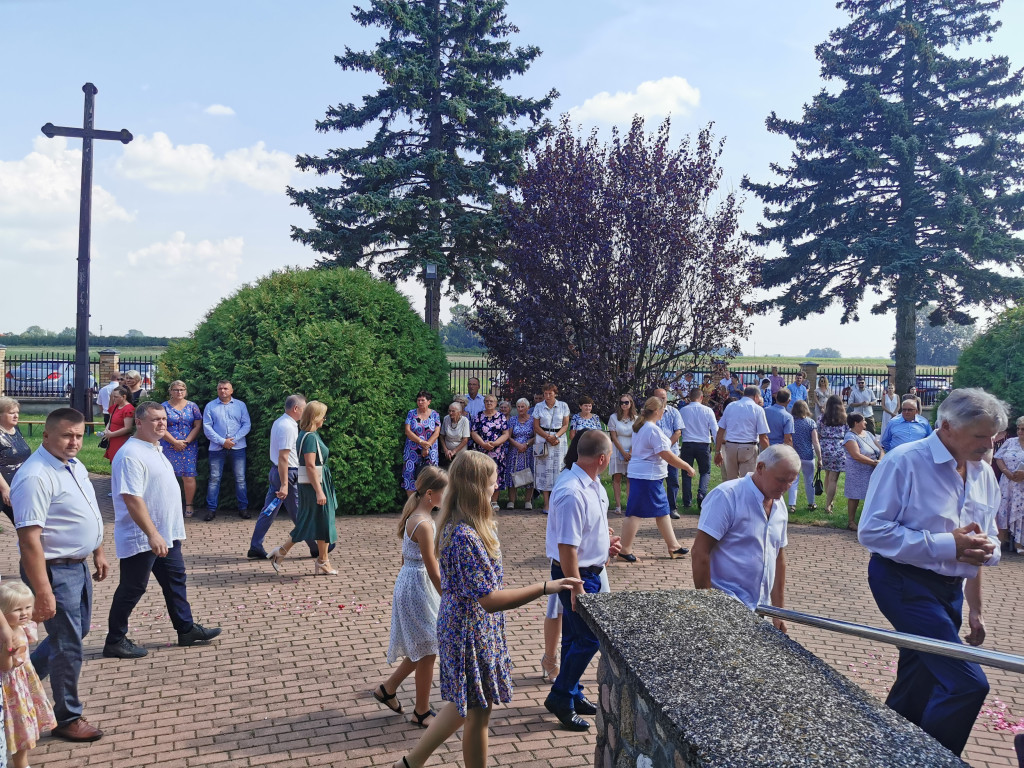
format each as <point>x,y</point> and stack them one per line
<point>906,180</point>
<point>422,189</point>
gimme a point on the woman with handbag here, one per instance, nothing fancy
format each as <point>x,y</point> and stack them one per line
<point>805,442</point>
<point>862,456</point>
<point>318,503</point>
<point>14,450</point>
<point>519,459</point>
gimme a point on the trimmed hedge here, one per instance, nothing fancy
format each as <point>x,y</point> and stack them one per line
<point>335,335</point>
<point>994,361</point>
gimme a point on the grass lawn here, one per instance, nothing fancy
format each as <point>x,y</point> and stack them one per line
<point>91,454</point>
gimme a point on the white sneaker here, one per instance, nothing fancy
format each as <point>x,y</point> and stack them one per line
<point>529,505</point>
<point>510,505</point>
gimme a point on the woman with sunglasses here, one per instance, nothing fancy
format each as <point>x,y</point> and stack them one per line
<point>620,430</point>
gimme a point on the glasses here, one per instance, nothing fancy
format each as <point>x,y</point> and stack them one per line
<point>625,402</point>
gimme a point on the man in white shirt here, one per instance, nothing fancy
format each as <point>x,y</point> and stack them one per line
<point>671,423</point>
<point>103,396</point>
<point>284,475</point>
<point>862,401</point>
<point>741,536</point>
<point>699,430</point>
<point>474,400</point>
<point>579,544</point>
<point>148,532</point>
<point>929,523</point>
<point>59,525</point>
<point>741,431</point>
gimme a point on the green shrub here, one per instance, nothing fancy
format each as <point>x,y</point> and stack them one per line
<point>335,335</point>
<point>994,361</point>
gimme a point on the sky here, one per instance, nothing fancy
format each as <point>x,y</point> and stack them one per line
<point>221,97</point>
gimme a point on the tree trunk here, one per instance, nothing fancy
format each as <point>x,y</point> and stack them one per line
<point>906,335</point>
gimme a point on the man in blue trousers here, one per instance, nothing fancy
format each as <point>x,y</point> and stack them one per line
<point>929,523</point>
<point>579,544</point>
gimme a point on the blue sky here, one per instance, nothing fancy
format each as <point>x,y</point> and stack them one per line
<point>221,97</point>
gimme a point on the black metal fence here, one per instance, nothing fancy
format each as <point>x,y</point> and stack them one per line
<point>52,374</point>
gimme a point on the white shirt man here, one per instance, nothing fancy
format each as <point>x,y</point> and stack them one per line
<point>929,522</point>
<point>103,396</point>
<point>862,401</point>
<point>741,535</point>
<point>148,531</point>
<point>699,429</point>
<point>741,430</point>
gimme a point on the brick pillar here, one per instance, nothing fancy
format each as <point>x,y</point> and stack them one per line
<point>3,377</point>
<point>810,375</point>
<point>108,365</point>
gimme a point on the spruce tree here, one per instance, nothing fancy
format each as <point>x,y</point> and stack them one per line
<point>906,178</point>
<point>422,188</point>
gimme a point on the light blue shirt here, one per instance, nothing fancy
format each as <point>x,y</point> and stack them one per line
<point>780,424</point>
<point>699,424</point>
<point>474,406</point>
<point>224,420</point>
<point>798,392</point>
<point>579,517</point>
<point>743,561</point>
<point>899,431</point>
<point>671,421</point>
<point>916,499</point>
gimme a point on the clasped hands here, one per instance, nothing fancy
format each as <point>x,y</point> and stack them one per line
<point>973,547</point>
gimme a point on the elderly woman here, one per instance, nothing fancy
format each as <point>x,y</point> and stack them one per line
<point>862,456</point>
<point>1010,517</point>
<point>519,454</point>
<point>620,430</point>
<point>422,430</point>
<point>831,434</point>
<point>184,424</point>
<point>505,408</point>
<point>13,450</point>
<point>454,434</point>
<point>490,432</point>
<point>821,395</point>
<point>122,422</point>
<point>648,468</point>
<point>585,419</point>
<point>550,423</point>
<point>890,405</point>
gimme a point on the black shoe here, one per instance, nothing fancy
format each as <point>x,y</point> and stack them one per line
<point>198,634</point>
<point>210,514</point>
<point>567,717</point>
<point>584,706</point>
<point>627,558</point>
<point>124,649</point>
<point>256,554</point>
<point>678,552</point>
<point>245,514</point>
<point>674,515</point>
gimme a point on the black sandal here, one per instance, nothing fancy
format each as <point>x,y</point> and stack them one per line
<point>386,698</point>
<point>417,718</point>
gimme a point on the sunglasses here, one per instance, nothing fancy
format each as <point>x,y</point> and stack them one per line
<point>625,402</point>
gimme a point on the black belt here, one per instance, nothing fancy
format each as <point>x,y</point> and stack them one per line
<point>921,573</point>
<point>66,561</point>
<point>733,442</point>
<point>594,570</point>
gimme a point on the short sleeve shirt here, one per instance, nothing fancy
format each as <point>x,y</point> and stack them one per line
<point>141,469</point>
<point>780,423</point>
<point>646,464</point>
<point>743,421</point>
<point>579,517</point>
<point>671,421</point>
<point>283,436</point>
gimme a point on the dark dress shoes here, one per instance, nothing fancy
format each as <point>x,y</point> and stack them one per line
<point>77,730</point>
<point>124,649</point>
<point>198,634</point>
<point>567,717</point>
<point>584,706</point>
<point>245,514</point>
<point>674,515</point>
<point>210,515</point>
<point>256,554</point>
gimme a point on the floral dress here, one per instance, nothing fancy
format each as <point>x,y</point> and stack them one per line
<point>27,711</point>
<point>1011,509</point>
<point>577,422</point>
<point>475,666</point>
<point>490,428</point>
<point>514,460</point>
<point>413,457</point>
<point>179,424</point>
<point>833,455</point>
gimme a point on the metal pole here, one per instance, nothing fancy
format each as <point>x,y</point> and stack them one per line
<point>82,397</point>
<point>901,639</point>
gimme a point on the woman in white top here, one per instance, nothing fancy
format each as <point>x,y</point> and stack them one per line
<point>821,396</point>
<point>550,423</point>
<point>620,430</point>
<point>454,434</point>
<point>648,467</point>
<point>890,405</point>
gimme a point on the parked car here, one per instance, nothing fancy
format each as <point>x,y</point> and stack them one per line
<point>42,378</point>
<point>929,387</point>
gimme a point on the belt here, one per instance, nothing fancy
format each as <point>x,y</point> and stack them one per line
<point>921,573</point>
<point>734,442</point>
<point>66,561</point>
<point>593,570</point>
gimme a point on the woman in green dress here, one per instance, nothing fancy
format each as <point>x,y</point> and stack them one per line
<point>317,501</point>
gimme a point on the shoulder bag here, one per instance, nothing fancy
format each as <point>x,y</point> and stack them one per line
<point>303,469</point>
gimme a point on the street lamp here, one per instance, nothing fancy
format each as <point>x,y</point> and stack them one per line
<point>431,309</point>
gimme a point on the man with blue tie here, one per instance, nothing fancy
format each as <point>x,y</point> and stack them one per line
<point>929,523</point>
<point>225,424</point>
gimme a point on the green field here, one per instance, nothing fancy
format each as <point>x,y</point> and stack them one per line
<point>94,352</point>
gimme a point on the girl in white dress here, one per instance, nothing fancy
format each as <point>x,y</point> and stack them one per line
<point>890,405</point>
<point>620,430</point>
<point>416,599</point>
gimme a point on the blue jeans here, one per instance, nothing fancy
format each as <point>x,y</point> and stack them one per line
<point>290,505</point>
<point>135,570</point>
<point>59,655</point>
<point>579,644</point>
<point>217,459</point>
<point>672,487</point>
<point>701,454</point>
<point>940,694</point>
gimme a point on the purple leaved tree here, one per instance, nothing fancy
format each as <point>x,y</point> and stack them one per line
<point>620,271</point>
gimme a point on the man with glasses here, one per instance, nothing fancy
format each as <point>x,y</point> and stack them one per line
<point>909,426</point>
<point>862,401</point>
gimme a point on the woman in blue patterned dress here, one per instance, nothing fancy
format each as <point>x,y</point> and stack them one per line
<point>585,419</point>
<point>519,454</point>
<point>831,433</point>
<point>184,423</point>
<point>490,432</point>
<point>475,665</point>
<point>422,429</point>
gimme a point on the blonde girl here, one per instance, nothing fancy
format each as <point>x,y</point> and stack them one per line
<point>475,666</point>
<point>416,599</point>
<point>27,711</point>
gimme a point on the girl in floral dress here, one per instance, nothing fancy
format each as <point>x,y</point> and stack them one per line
<point>27,712</point>
<point>475,666</point>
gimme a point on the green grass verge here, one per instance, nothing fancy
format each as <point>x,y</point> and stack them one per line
<point>91,454</point>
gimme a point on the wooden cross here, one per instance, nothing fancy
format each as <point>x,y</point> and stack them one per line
<point>81,395</point>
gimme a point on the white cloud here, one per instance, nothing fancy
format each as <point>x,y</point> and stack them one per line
<point>651,99</point>
<point>162,165</point>
<point>219,260</point>
<point>219,110</point>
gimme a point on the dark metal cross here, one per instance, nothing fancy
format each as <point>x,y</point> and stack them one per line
<point>81,395</point>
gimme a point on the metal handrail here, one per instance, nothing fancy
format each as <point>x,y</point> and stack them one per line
<point>902,639</point>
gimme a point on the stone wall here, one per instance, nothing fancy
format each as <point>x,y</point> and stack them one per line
<point>692,679</point>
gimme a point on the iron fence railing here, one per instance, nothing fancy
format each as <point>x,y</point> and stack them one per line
<point>52,374</point>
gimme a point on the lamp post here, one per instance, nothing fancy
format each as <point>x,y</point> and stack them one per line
<point>432,309</point>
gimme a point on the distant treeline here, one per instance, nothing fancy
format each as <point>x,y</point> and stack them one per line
<point>61,340</point>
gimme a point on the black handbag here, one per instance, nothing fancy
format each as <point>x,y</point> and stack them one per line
<point>819,487</point>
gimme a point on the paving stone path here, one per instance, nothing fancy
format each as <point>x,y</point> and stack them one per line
<point>288,682</point>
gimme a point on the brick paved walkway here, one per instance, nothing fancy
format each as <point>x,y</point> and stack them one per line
<point>288,682</point>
